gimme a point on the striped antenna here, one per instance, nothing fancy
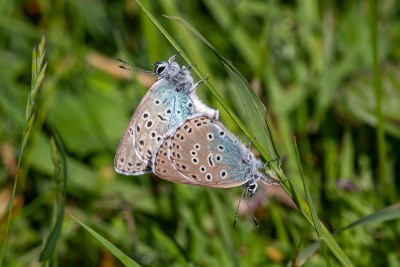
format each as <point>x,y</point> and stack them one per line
<point>133,68</point>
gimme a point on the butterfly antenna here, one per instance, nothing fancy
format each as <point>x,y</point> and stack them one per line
<point>237,209</point>
<point>133,68</point>
<point>250,143</point>
<point>248,206</point>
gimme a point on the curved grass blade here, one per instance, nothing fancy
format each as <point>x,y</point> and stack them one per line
<point>390,213</point>
<point>258,126</point>
<point>110,247</point>
<point>314,215</point>
<point>255,114</point>
<point>306,212</point>
<point>60,175</point>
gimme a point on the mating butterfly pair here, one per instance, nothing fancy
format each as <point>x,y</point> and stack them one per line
<point>176,136</point>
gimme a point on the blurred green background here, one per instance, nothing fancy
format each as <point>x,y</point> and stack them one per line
<point>310,62</point>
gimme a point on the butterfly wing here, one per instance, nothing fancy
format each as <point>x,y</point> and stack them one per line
<point>206,154</point>
<point>126,160</point>
<point>165,109</point>
<point>161,109</point>
<point>165,169</point>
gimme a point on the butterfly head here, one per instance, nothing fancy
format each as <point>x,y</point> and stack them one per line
<point>179,76</point>
<point>166,69</point>
<point>251,187</point>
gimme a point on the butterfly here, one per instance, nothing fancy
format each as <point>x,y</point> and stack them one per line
<point>167,104</point>
<point>202,152</point>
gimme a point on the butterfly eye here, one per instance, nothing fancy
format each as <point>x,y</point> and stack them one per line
<point>159,69</point>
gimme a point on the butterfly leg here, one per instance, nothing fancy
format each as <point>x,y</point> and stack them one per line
<point>277,158</point>
<point>172,59</point>
<point>272,178</point>
<point>197,84</point>
<point>247,160</point>
<point>250,143</point>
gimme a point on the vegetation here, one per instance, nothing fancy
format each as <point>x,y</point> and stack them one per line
<point>326,72</point>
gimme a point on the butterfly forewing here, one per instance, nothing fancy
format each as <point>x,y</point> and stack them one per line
<point>164,111</point>
<point>161,109</point>
<point>126,159</point>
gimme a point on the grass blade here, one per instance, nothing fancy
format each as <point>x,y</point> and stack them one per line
<point>380,129</point>
<point>255,114</point>
<point>314,215</point>
<point>390,213</point>
<point>305,211</point>
<point>38,72</point>
<point>60,175</point>
<point>110,247</point>
<point>259,128</point>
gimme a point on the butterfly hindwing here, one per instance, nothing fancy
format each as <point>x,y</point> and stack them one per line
<point>203,151</point>
<point>165,169</point>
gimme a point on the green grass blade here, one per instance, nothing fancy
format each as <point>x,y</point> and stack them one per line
<point>170,247</point>
<point>305,211</point>
<point>255,111</point>
<point>38,72</point>
<point>314,215</point>
<point>60,176</point>
<point>259,128</point>
<point>380,129</point>
<point>390,213</point>
<point>244,41</point>
<point>110,247</point>
<point>226,233</point>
